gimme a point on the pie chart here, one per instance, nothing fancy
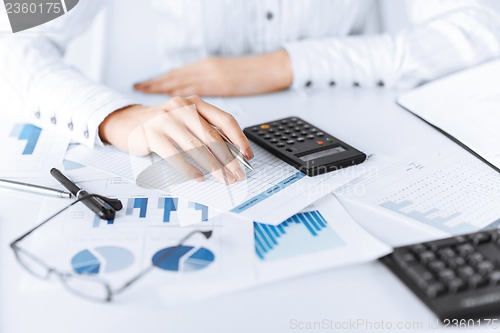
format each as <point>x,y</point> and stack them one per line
<point>103,259</point>
<point>183,258</point>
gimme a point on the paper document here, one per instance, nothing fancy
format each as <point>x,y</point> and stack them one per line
<point>451,191</point>
<point>466,105</point>
<point>270,194</point>
<point>239,255</point>
<point>27,150</point>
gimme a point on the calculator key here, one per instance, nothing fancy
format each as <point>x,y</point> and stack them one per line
<point>294,120</point>
<point>281,128</point>
<point>291,126</point>
<point>330,140</point>
<point>284,121</point>
<point>261,133</point>
<point>287,132</point>
<point>320,134</point>
<point>303,133</point>
<point>274,140</point>
<point>299,122</point>
<point>290,142</point>
<point>281,144</point>
<point>284,138</point>
<point>313,130</point>
<point>271,130</point>
<point>301,139</point>
<point>310,137</point>
<point>320,142</point>
<point>264,126</point>
<point>307,126</point>
<point>294,136</point>
<point>267,137</point>
<point>290,150</point>
<point>297,129</point>
<point>255,129</point>
<point>277,134</point>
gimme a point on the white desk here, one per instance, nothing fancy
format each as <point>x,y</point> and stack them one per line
<point>368,120</point>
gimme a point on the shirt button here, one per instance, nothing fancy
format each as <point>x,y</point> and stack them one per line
<point>308,84</point>
<point>332,83</point>
<point>355,84</point>
<point>269,16</point>
<point>53,120</point>
<point>380,83</point>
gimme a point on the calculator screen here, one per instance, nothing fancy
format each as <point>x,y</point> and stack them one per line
<point>322,153</point>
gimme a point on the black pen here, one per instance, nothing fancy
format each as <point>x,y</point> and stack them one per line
<point>102,209</point>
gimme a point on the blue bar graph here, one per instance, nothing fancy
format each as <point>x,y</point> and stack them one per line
<point>97,222</point>
<point>300,234</point>
<point>168,205</point>
<point>431,216</point>
<point>140,203</point>
<point>27,132</point>
<point>200,207</point>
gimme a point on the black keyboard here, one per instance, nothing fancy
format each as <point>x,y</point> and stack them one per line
<point>457,277</point>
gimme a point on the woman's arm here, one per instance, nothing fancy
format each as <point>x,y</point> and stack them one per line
<point>55,94</point>
<point>452,41</point>
<point>58,96</point>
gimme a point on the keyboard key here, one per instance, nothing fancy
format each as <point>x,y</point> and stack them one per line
<point>465,249</point>
<point>290,142</point>
<point>480,237</point>
<point>456,284</point>
<point>301,139</point>
<point>485,267</point>
<point>434,290</point>
<point>273,141</point>
<point>494,277</point>
<point>427,256</point>
<point>446,275</point>
<point>436,265</point>
<point>420,275</point>
<point>446,253</point>
<point>404,258</point>
<point>281,144</point>
<point>466,272</point>
<point>476,281</point>
<point>284,138</point>
<point>418,248</point>
<point>475,258</point>
<point>456,262</point>
<point>447,242</point>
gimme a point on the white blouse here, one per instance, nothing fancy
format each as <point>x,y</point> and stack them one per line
<point>330,43</point>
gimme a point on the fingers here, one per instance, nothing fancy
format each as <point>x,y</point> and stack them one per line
<point>212,139</point>
<point>196,149</point>
<point>225,122</point>
<point>161,145</point>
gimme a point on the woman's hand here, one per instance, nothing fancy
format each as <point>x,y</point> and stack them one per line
<point>186,123</point>
<point>233,76</point>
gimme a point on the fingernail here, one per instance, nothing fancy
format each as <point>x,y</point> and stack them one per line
<point>229,177</point>
<point>240,175</point>
<point>199,177</point>
<point>249,153</point>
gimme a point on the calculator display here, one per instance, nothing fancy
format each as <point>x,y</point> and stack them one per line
<point>322,153</point>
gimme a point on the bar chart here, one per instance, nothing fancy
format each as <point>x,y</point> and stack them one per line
<point>301,234</point>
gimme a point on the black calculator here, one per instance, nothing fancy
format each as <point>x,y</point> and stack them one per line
<point>304,146</point>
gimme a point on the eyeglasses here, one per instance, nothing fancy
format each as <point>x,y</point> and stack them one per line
<point>88,287</point>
